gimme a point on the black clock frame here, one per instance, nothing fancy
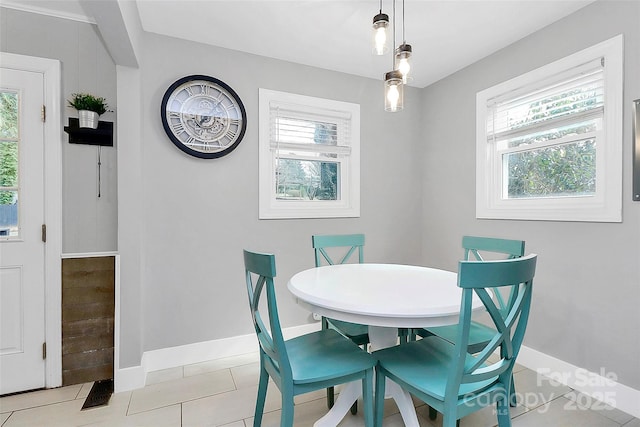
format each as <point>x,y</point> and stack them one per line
<point>180,144</point>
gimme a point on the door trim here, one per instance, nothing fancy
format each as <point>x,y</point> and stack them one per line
<point>50,68</point>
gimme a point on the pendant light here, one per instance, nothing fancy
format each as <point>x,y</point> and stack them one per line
<point>380,28</point>
<point>402,54</point>
<point>393,91</point>
<point>393,86</point>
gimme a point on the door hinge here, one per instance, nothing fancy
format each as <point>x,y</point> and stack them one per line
<point>44,233</point>
<point>44,113</point>
<point>44,350</point>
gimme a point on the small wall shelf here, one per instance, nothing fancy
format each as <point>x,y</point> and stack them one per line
<point>102,136</point>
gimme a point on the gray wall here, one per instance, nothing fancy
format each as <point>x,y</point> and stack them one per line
<point>200,214</point>
<point>89,222</point>
<point>587,290</point>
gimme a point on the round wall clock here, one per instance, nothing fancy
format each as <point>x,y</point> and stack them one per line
<point>203,116</point>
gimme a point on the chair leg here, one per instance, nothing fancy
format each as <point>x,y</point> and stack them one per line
<point>433,414</point>
<point>286,419</point>
<point>403,334</point>
<point>263,382</point>
<point>513,401</point>
<point>504,417</point>
<point>330,397</point>
<point>449,421</point>
<point>379,398</point>
<point>367,398</point>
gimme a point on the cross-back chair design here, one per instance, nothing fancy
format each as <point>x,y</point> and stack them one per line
<point>479,248</point>
<point>353,250</point>
<point>353,245</point>
<point>303,364</point>
<point>443,374</point>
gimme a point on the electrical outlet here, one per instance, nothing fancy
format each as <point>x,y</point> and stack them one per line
<point>316,316</point>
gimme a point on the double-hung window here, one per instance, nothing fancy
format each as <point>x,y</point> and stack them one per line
<point>549,142</point>
<point>309,160</point>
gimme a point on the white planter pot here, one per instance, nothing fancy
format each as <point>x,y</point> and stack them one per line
<point>88,119</point>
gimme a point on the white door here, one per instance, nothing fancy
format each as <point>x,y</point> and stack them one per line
<point>22,256</point>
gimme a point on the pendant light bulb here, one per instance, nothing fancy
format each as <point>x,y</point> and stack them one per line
<point>380,28</point>
<point>394,94</point>
<point>402,55</point>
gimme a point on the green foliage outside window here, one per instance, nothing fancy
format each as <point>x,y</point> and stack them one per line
<point>309,179</point>
<point>560,170</point>
<point>565,170</point>
<point>8,145</point>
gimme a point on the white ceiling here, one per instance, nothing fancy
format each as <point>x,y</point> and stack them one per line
<point>446,35</point>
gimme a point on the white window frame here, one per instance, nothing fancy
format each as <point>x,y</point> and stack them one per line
<point>606,204</point>
<point>348,204</point>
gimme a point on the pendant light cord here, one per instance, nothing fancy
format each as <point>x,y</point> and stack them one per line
<point>404,39</point>
<point>393,47</point>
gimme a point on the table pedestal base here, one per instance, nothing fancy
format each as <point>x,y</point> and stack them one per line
<point>380,337</point>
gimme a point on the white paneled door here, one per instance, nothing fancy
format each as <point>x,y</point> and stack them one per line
<point>22,251</point>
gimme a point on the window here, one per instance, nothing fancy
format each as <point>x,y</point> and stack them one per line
<point>549,142</point>
<point>9,142</point>
<point>309,161</point>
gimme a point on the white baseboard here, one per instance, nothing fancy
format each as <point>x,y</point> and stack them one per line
<point>601,386</point>
<point>165,358</point>
<point>129,379</point>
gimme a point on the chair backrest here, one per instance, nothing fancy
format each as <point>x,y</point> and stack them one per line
<point>477,246</point>
<point>490,247</point>
<point>474,278</point>
<point>354,243</point>
<point>260,269</point>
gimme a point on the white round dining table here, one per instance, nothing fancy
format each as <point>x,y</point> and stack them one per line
<point>385,297</point>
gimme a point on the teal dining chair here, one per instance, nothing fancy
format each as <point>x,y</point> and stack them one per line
<point>303,364</point>
<point>480,248</point>
<point>443,374</point>
<point>353,244</point>
<point>340,249</point>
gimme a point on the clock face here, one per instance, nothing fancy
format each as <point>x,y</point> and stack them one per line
<point>203,116</point>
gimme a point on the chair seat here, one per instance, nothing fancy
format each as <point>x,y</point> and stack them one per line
<point>425,365</point>
<point>356,332</point>
<point>325,355</point>
<point>479,335</point>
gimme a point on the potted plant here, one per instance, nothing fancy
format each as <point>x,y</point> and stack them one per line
<point>89,107</point>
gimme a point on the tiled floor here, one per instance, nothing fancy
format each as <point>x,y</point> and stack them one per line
<point>222,393</point>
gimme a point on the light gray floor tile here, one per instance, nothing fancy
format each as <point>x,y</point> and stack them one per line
<point>587,402</point>
<point>485,417</point>
<point>39,398</point>
<point>155,377</point>
<point>227,407</point>
<point>70,414</point>
<point>246,375</point>
<point>84,391</point>
<point>182,390</point>
<point>305,415</point>
<point>534,390</point>
<point>3,417</point>
<point>168,416</point>
<point>560,413</point>
<point>218,364</point>
<point>633,423</point>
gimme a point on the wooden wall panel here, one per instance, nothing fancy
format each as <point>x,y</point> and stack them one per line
<point>88,301</point>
